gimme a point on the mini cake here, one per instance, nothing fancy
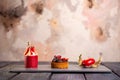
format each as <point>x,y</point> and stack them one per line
<point>31,57</point>
<point>59,62</point>
<point>90,62</point>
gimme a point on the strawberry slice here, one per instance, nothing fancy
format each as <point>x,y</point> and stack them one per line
<point>32,48</point>
<point>27,50</point>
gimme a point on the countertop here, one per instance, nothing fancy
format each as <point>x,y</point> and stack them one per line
<point>5,73</point>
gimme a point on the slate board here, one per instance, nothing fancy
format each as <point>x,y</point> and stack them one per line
<point>73,68</point>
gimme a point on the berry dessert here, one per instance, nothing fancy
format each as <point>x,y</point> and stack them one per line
<point>59,62</point>
<point>31,57</point>
<point>90,62</point>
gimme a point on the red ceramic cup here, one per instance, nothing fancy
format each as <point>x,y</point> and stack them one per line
<point>31,61</point>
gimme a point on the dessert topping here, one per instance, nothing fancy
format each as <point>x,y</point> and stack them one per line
<point>58,58</point>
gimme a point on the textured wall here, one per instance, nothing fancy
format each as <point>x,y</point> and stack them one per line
<point>65,27</point>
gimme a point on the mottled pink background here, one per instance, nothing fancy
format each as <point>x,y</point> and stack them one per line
<point>65,27</point>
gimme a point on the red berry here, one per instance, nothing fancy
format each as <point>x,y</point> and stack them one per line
<point>58,57</point>
<point>27,50</point>
<point>55,56</point>
<point>66,59</point>
<point>63,59</point>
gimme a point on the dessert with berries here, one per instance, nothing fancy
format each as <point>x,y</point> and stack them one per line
<point>59,62</point>
<point>90,62</point>
<point>31,57</point>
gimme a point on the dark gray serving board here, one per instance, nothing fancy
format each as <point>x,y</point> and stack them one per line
<point>73,68</point>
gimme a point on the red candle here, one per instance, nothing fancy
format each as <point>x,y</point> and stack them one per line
<point>31,61</point>
<point>31,58</point>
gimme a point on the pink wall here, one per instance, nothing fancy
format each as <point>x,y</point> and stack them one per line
<point>65,27</point>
